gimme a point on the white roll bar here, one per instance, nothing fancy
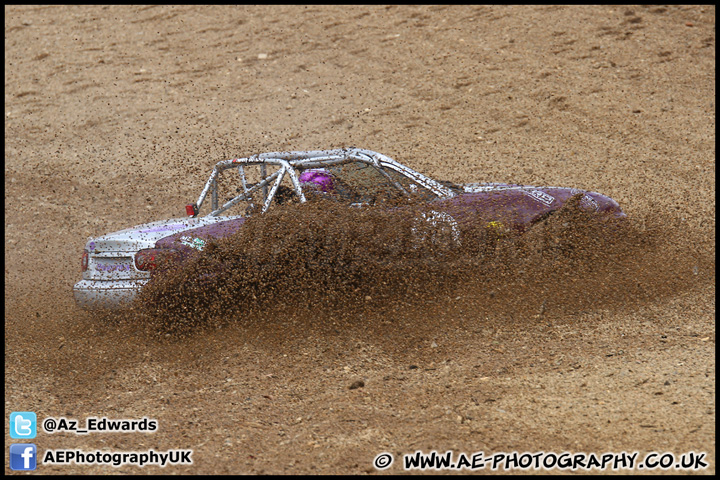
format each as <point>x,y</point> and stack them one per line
<point>289,161</point>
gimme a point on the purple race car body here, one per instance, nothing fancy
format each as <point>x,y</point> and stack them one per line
<point>117,265</point>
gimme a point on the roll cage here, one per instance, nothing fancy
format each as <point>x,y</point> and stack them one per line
<point>288,163</point>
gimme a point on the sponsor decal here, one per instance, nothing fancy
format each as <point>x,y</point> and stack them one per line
<point>540,196</point>
<point>118,267</point>
<point>489,187</point>
<point>196,243</point>
<point>586,201</point>
<point>497,226</point>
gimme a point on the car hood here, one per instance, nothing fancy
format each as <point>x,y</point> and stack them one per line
<point>146,235</point>
<point>521,205</point>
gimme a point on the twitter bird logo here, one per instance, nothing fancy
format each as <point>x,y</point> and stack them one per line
<point>23,425</point>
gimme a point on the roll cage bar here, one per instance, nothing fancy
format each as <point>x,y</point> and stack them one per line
<point>289,161</point>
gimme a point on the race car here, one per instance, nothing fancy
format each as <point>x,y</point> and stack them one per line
<point>117,265</point>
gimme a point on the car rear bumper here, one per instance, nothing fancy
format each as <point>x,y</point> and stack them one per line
<point>92,294</point>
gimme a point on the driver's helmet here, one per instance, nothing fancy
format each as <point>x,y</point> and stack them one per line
<point>318,179</point>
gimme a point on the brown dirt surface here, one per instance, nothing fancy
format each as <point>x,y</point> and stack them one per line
<point>115,115</point>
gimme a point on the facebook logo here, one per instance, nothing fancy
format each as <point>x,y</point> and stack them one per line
<point>23,425</point>
<point>23,456</point>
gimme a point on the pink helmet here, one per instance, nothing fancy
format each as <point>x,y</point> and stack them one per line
<point>318,178</point>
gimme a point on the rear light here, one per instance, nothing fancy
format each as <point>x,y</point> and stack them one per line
<point>151,258</point>
<point>84,261</point>
<point>191,210</point>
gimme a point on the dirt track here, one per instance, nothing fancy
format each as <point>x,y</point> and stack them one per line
<point>115,115</point>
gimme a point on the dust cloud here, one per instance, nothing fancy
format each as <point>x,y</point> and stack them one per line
<point>331,261</point>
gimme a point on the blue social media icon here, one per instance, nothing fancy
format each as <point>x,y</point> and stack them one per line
<point>23,425</point>
<point>23,456</point>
